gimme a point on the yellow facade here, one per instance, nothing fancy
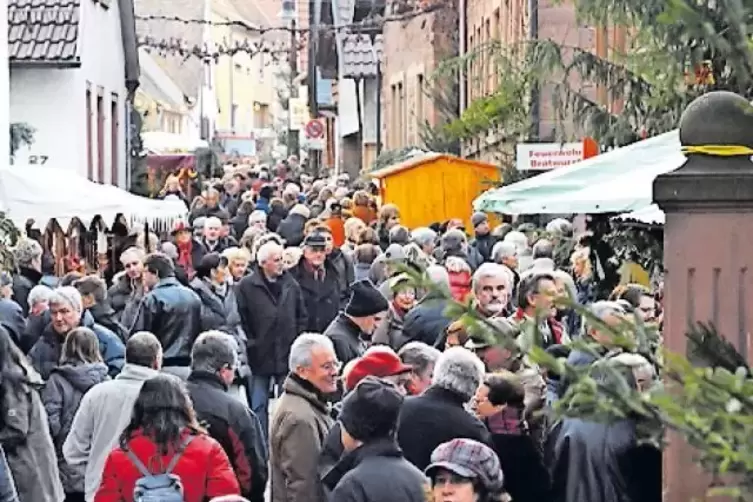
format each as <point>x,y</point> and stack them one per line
<point>244,85</point>
<point>435,187</point>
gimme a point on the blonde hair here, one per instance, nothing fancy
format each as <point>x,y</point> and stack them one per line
<point>237,254</point>
<point>353,227</point>
<point>291,256</point>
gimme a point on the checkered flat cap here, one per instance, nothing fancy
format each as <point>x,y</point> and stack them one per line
<point>469,459</point>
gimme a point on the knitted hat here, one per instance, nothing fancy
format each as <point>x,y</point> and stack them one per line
<point>365,300</point>
<point>478,218</point>
<point>378,363</point>
<point>370,411</point>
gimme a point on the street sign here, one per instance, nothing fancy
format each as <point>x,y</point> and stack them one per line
<point>315,129</point>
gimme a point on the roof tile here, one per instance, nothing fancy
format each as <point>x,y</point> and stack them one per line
<point>43,30</point>
<point>360,55</point>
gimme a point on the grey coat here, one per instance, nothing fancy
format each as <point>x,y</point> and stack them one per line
<point>62,396</point>
<point>27,442</point>
<point>7,486</point>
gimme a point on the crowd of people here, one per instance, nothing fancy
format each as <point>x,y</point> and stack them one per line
<point>292,341</point>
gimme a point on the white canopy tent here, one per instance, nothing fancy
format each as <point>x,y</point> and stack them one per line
<point>41,194</point>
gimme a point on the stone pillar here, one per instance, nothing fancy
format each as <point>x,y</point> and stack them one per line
<point>708,238</point>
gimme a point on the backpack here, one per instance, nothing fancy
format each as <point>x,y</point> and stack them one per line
<point>163,487</point>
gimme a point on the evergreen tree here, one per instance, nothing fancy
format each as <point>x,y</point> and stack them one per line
<point>674,51</point>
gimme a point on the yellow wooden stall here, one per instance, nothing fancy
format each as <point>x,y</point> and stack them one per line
<point>435,187</point>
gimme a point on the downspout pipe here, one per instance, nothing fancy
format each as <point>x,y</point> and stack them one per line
<point>533,35</point>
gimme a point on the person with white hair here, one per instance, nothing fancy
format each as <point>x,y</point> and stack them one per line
<point>67,313</point>
<point>523,250</point>
<point>439,415</point>
<point>272,312</point>
<point>258,219</point>
<point>301,420</point>
<point>421,358</point>
<point>425,238</point>
<point>127,288</point>
<point>213,240</point>
<point>492,287</point>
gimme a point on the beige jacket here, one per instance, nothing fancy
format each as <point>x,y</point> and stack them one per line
<point>298,430</point>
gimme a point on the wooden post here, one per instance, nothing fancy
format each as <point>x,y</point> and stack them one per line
<point>708,236</point>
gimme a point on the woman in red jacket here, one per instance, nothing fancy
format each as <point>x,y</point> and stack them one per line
<point>163,421</point>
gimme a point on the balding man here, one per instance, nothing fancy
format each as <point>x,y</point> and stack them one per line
<point>106,409</point>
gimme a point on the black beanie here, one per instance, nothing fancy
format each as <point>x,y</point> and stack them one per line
<point>370,410</point>
<point>365,300</point>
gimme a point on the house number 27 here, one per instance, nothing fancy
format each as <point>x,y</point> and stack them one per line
<point>38,159</point>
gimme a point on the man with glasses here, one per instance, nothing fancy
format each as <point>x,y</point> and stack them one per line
<point>301,421</point>
<point>213,363</point>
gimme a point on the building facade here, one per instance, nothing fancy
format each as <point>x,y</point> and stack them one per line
<point>74,84</point>
<point>413,49</point>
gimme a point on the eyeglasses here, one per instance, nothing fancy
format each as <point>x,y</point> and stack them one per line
<point>335,366</point>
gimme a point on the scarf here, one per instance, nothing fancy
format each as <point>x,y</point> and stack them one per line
<point>184,255</point>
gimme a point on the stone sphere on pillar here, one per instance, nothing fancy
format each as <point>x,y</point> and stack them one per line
<point>717,118</point>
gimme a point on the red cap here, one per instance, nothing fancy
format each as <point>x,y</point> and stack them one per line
<point>378,363</point>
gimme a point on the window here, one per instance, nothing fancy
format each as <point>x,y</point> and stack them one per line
<point>100,135</point>
<point>419,103</point>
<point>261,115</point>
<point>233,113</point>
<point>114,139</point>
<point>402,140</point>
<point>89,134</point>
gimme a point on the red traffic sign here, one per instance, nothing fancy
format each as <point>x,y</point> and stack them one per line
<point>314,129</point>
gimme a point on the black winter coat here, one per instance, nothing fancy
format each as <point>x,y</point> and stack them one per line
<point>322,298</point>
<point>23,283</point>
<point>376,472</point>
<point>61,397</point>
<point>426,322</point>
<point>347,339</point>
<point>236,428</point>
<point>271,324</point>
<point>12,318</point>
<point>609,463</point>
<point>105,315</point>
<point>173,313</point>
<point>291,229</point>
<point>435,417</point>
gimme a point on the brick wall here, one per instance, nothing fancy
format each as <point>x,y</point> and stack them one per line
<point>412,51</point>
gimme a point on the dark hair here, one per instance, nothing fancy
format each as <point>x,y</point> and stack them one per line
<point>210,262</point>
<point>530,285</point>
<point>142,349</point>
<point>543,249</point>
<point>630,293</point>
<point>505,389</point>
<point>160,265</point>
<point>81,346</point>
<point>161,412</point>
<point>366,253</point>
<point>48,264</point>
<point>69,278</point>
<point>92,285</point>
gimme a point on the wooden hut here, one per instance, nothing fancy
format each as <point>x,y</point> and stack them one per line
<point>434,187</point>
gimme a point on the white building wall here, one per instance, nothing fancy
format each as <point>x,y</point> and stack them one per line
<point>52,102</point>
<point>103,67</point>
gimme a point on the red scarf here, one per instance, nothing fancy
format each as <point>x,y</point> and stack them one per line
<point>184,255</point>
